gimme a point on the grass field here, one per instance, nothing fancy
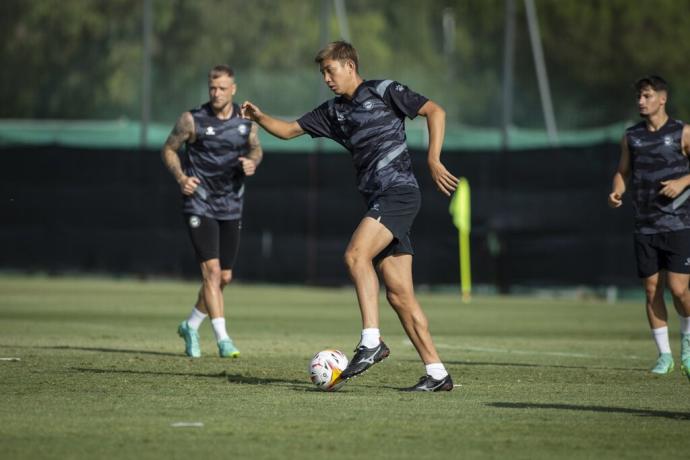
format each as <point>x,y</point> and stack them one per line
<point>101,375</point>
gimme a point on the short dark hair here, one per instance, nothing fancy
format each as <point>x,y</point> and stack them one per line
<point>655,82</point>
<point>220,70</point>
<point>339,51</point>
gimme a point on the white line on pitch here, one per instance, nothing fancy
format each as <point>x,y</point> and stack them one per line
<point>10,359</point>
<point>187,424</point>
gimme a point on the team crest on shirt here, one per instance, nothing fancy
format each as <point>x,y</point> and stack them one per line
<point>194,221</point>
<point>636,142</point>
<point>399,87</point>
<point>668,140</point>
<point>242,129</point>
<point>368,105</point>
<point>340,116</point>
<point>210,131</point>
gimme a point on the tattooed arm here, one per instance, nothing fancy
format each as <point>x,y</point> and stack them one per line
<point>181,133</point>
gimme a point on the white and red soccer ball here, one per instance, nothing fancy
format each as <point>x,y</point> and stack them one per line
<point>325,369</point>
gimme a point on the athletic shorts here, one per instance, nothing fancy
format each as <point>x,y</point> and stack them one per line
<point>396,209</point>
<point>214,239</point>
<point>668,251</point>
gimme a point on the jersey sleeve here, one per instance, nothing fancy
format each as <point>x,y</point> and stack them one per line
<point>317,123</point>
<point>403,99</point>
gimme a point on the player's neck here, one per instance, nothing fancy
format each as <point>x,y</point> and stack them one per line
<point>656,121</point>
<point>225,112</point>
<point>349,94</point>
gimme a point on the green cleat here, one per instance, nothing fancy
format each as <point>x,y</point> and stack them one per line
<point>226,349</point>
<point>685,354</point>
<point>191,340</point>
<point>664,364</point>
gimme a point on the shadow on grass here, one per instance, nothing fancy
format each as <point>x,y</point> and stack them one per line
<point>685,416</point>
<point>558,366</point>
<point>231,378</point>
<point>100,350</point>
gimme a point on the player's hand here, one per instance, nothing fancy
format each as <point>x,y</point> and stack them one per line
<point>672,188</point>
<point>250,111</point>
<point>445,182</point>
<point>615,200</point>
<point>188,185</point>
<point>248,166</point>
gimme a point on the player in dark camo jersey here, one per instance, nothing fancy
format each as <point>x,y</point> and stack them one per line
<point>654,154</point>
<point>368,119</point>
<point>221,149</point>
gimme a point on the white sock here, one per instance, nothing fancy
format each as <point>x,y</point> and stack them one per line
<point>661,338</point>
<point>219,329</point>
<point>437,371</point>
<point>685,325</point>
<point>196,318</point>
<point>371,337</point>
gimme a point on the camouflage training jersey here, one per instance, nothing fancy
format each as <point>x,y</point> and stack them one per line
<point>657,156</point>
<point>214,159</point>
<point>371,126</point>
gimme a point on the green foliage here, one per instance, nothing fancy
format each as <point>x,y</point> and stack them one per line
<point>83,58</point>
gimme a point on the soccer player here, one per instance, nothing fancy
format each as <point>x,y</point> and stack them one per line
<point>655,153</point>
<point>368,119</point>
<point>221,149</point>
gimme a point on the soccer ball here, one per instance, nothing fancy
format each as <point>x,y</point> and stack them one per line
<point>325,369</point>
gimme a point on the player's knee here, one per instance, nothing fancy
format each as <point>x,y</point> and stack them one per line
<point>225,278</point>
<point>212,275</point>
<point>678,290</point>
<point>354,259</point>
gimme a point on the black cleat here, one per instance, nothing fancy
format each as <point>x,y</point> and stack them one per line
<point>428,383</point>
<point>364,358</point>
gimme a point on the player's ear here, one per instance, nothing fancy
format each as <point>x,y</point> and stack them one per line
<point>233,89</point>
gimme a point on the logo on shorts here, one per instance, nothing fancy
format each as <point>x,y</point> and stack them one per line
<point>242,129</point>
<point>687,262</point>
<point>375,207</point>
<point>667,140</point>
<point>210,131</point>
<point>194,221</point>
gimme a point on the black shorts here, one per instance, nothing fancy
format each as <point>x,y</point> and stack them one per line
<point>668,251</point>
<point>214,239</point>
<point>396,209</point>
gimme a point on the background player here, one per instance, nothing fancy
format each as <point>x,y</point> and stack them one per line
<point>655,152</point>
<point>368,119</point>
<point>221,149</point>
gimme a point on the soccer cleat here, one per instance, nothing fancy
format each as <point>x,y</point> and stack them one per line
<point>664,364</point>
<point>685,354</point>
<point>227,349</point>
<point>428,383</point>
<point>364,358</point>
<point>191,340</point>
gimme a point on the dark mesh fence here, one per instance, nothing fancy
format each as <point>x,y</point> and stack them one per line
<point>539,217</point>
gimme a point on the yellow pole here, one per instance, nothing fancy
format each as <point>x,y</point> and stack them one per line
<point>460,209</point>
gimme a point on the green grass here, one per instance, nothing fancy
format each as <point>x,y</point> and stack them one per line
<point>101,375</point>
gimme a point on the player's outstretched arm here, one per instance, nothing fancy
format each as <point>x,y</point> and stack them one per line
<point>435,116</point>
<point>279,128</point>
<point>620,177</point>
<point>181,133</point>
<point>256,153</point>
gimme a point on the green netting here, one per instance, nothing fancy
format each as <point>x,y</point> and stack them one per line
<point>126,135</point>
